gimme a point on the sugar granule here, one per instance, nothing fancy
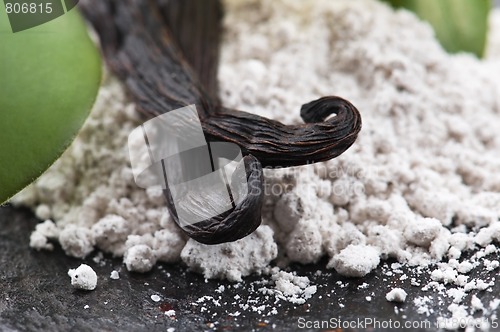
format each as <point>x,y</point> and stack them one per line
<point>83,277</point>
<point>396,295</point>
<point>170,313</point>
<point>420,185</point>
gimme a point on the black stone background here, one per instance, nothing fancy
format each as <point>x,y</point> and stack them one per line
<point>36,294</point>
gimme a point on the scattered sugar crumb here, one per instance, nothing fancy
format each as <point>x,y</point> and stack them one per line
<point>170,313</point>
<point>115,275</point>
<point>396,295</point>
<point>290,287</point>
<point>83,277</point>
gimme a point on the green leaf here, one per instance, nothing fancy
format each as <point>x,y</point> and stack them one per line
<point>460,25</point>
<point>49,77</point>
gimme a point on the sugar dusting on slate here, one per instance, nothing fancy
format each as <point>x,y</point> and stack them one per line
<point>421,185</point>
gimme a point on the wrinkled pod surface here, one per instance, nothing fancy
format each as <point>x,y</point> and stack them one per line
<point>166,52</point>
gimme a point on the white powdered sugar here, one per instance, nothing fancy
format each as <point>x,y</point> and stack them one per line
<point>290,287</point>
<point>83,277</point>
<point>232,260</point>
<point>115,275</point>
<point>421,184</point>
<point>396,295</point>
<point>356,260</point>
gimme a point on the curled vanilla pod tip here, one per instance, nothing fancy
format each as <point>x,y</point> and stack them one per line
<point>167,52</point>
<point>235,223</point>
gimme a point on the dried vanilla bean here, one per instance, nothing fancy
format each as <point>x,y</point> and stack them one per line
<point>166,52</point>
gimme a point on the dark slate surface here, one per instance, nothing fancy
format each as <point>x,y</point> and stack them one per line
<point>36,295</point>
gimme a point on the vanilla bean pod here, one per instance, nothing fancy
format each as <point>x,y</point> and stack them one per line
<point>167,52</point>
